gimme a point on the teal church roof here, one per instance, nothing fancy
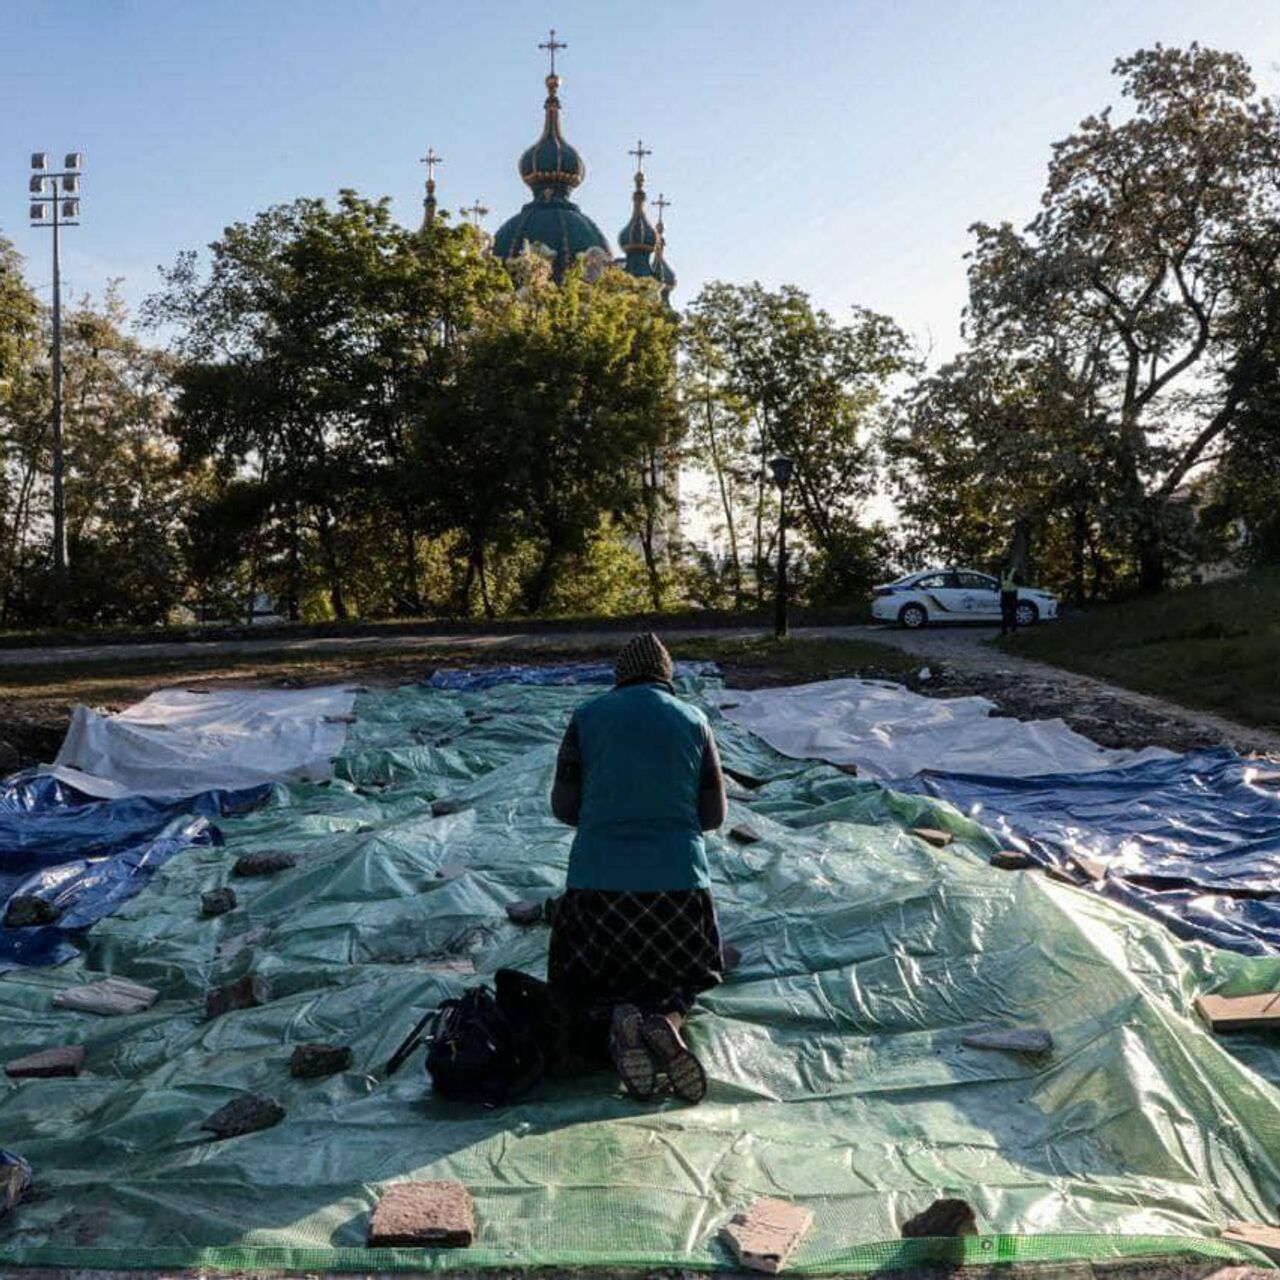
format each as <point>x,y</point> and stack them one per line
<point>551,168</point>
<point>638,239</point>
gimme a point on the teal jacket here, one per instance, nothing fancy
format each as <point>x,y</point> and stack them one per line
<point>639,776</point>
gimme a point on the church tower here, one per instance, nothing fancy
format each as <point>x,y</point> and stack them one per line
<point>552,169</point>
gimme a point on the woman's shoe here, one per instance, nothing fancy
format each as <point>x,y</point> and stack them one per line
<point>630,1055</point>
<point>675,1057</point>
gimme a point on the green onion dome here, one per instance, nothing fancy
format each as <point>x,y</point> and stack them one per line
<point>638,236</point>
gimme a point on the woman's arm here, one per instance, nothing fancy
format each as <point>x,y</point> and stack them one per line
<point>566,791</point>
<point>713,804</point>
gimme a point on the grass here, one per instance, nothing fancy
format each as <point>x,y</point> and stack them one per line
<point>1216,647</point>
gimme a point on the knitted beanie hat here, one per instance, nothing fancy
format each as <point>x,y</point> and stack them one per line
<point>643,658</point>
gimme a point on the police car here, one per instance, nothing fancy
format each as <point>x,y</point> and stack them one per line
<point>955,595</point>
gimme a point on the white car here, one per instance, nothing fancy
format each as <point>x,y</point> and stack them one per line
<point>955,595</point>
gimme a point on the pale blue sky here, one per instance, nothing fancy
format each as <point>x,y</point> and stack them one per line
<point>841,145</point>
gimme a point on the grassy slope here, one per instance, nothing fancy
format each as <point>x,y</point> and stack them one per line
<point>1215,646</point>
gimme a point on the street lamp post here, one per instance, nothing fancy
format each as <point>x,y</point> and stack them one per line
<point>55,202</point>
<point>782,467</point>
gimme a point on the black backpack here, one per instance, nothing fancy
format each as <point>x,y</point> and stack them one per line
<point>477,1051</point>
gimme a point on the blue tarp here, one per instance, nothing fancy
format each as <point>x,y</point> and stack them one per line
<point>85,856</point>
<point>1192,840</point>
<point>474,678</point>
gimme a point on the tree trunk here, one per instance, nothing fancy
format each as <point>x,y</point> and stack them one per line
<point>329,555</point>
<point>726,501</point>
<point>483,576</point>
<point>536,589</point>
<point>1079,536</point>
<point>1020,547</point>
<point>410,596</point>
<point>295,564</point>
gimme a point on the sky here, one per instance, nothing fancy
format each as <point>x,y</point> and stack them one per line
<point>843,146</point>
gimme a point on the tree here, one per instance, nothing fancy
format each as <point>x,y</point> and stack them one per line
<point>1152,269</point>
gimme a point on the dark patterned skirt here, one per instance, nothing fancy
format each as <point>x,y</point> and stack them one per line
<point>653,950</point>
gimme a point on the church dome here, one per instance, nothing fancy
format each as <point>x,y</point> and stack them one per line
<point>551,161</point>
<point>638,236</point>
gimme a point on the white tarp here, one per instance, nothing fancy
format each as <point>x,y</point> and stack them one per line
<point>180,741</point>
<point>890,732</point>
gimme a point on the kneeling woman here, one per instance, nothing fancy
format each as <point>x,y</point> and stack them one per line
<point>635,937</point>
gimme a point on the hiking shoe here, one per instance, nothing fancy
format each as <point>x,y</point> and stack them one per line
<point>629,1053</point>
<point>675,1057</point>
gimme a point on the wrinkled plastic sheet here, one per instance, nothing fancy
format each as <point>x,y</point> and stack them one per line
<point>86,856</point>
<point>1193,840</point>
<point>462,679</point>
<point>888,731</point>
<point>181,741</point>
<point>837,1074</point>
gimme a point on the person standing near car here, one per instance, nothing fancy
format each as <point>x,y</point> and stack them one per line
<point>1008,599</point>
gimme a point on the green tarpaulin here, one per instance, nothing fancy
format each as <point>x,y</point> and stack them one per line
<point>837,1073</point>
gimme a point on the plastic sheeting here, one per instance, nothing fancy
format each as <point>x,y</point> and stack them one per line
<point>890,732</point>
<point>837,1073</point>
<point>476,678</point>
<point>86,856</point>
<point>180,741</point>
<point>1193,840</point>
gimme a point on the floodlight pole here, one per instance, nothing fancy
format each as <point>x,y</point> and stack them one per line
<point>59,496</point>
<point>782,468</point>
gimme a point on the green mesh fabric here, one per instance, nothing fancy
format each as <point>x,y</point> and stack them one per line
<point>837,1074</point>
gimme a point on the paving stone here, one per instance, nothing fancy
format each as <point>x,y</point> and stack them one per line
<point>244,993</point>
<point>744,834</point>
<point>109,997</point>
<point>1271,778</point>
<point>263,864</point>
<point>527,911</point>
<point>1016,1040</point>
<point>764,1238</point>
<point>348,718</point>
<point>439,808</point>
<point>480,717</point>
<point>25,911</point>
<point>245,1114</point>
<point>942,1218</point>
<point>65,1060</point>
<point>1060,875</point>
<point>15,1180</point>
<point>438,1215</point>
<point>310,1061</point>
<point>217,902</point>
<point>1012,860</point>
<point>1090,868</point>
<point>931,835</point>
<point>1239,1013</point>
<point>850,769</point>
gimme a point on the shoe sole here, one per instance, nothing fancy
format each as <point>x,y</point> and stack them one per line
<point>683,1069</point>
<point>630,1055</point>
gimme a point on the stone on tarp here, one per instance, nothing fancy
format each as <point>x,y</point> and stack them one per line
<point>942,1218</point>
<point>15,1180</point>
<point>443,807</point>
<point>263,864</point>
<point>730,957</point>
<point>231,947</point>
<point>451,870</point>
<point>310,1061</point>
<point>763,1238</point>
<point>109,997</point>
<point>1090,868</point>
<point>65,1060</point>
<point>1012,860</point>
<point>244,993</point>
<point>245,1114</point>
<point>744,834</point>
<point>1260,1235</point>
<point>526,911</point>
<point>931,835</point>
<point>850,769</point>
<point>1012,1039</point>
<point>740,776</point>
<point>217,902</point>
<point>1240,1013</point>
<point>424,1215</point>
<point>26,911</point>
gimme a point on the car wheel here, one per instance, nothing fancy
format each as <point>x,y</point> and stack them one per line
<point>1027,614</point>
<point>913,616</point>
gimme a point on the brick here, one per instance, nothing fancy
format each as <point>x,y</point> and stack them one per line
<point>263,864</point>
<point>245,993</point>
<point>1012,860</point>
<point>439,1215</point>
<point>744,834</point>
<point>1271,778</point>
<point>25,911</point>
<point>311,1061</point>
<point>109,997</point>
<point>1060,875</point>
<point>850,769</point>
<point>764,1238</point>
<point>246,1114</point>
<point>1239,1013</point>
<point>1090,868</point>
<point>1258,1234</point>
<point>942,1218</point>
<point>217,902</point>
<point>65,1060</point>
<point>1014,1040</point>
<point>931,835</point>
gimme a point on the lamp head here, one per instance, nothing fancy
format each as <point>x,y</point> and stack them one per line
<point>782,467</point>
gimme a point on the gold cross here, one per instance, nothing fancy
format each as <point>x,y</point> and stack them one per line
<point>640,152</point>
<point>661,204</point>
<point>551,45</point>
<point>477,211</point>
<point>431,160</point>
